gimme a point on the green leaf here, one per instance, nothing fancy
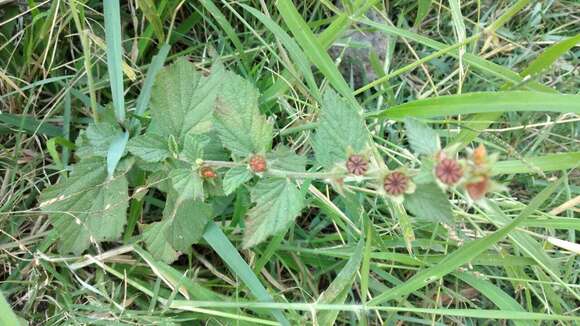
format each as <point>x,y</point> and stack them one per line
<point>483,102</point>
<point>193,147</point>
<point>337,291</point>
<point>97,139</point>
<point>29,124</point>
<point>429,202</point>
<point>496,295</point>
<point>422,138</point>
<point>235,177</point>
<point>550,55</point>
<point>340,128</point>
<point>156,242</point>
<point>87,206</point>
<point>296,54</point>
<point>284,158</point>
<point>240,126</point>
<point>187,222</point>
<point>149,147</point>
<point>182,100</point>
<point>187,183</point>
<point>278,202</point>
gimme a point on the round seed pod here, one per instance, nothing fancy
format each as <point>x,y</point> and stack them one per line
<point>258,163</point>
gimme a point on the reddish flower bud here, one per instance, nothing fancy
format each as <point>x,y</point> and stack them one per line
<point>477,190</point>
<point>448,171</point>
<point>479,155</point>
<point>396,183</point>
<point>357,164</point>
<point>258,163</point>
<point>207,172</point>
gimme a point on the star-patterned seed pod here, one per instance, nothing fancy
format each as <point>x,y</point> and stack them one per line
<point>396,183</point>
<point>258,163</point>
<point>357,164</point>
<point>449,171</point>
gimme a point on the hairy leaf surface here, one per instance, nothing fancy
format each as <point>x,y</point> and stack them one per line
<point>149,147</point>
<point>340,129</point>
<point>182,101</point>
<point>278,202</point>
<point>187,221</point>
<point>187,183</point>
<point>430,202</point>
<point>235,177</point>
<point>87,206</point>
<point>423,139</point>
<point>240,126</point>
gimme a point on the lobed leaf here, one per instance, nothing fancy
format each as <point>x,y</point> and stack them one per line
<point>156,241</point>
<point>235,177</point>
<point>340,128</point>
<point>422,138</point>
<point>239,124</point>
<point>87,206</point>
<point>182,101</point>
<point>284,158</point>
<point>187,183</point>
<point>429,202</point>
<point>187,221</point>
<point>278,202</point>
<point>149,147</point>
<point>97,139</point>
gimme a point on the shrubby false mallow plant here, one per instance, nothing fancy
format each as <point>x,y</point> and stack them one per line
<point>207,138</point>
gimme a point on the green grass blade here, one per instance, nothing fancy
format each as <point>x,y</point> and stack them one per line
<point>474,61</point>
<point>550,55</point>
<point>228,29</point>
<point>115,152</point>
<point>483,120</point>
<point>293,49</point>
<point>30,124</point>
<point>325,39</point>
<point>546,163</point>
<point>34,85</point>
<point>313,49</point>
<point>230,255</point>
<point>488,314</point>
<point>464,254</point>
<point>338,290</point>
<point>115,56</point>
<point>478,102</point>
<point>148,8</point>
<point>154,68</point>
<point>7,316</point>
<point>423,7</point>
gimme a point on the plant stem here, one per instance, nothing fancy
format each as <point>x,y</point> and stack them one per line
<point>277,172</point>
